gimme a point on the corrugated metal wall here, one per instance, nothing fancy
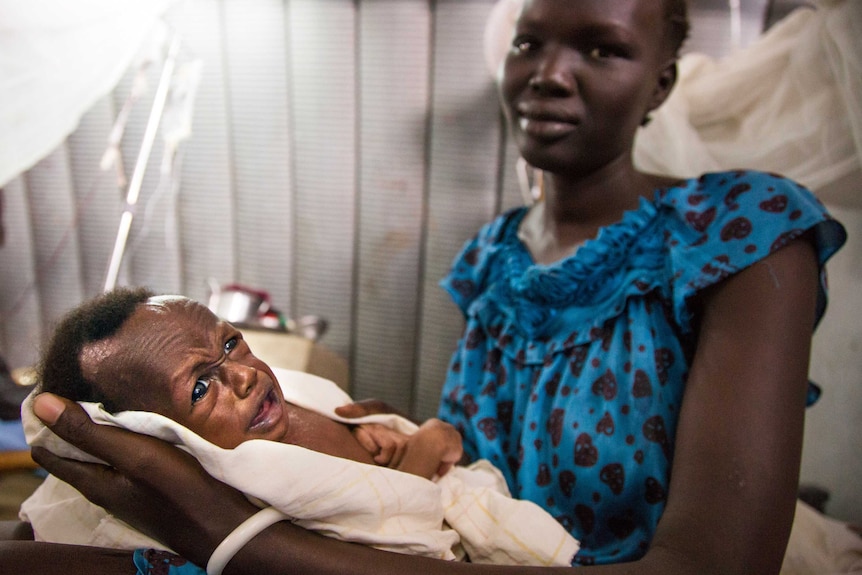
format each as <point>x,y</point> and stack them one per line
<point>342,151</point>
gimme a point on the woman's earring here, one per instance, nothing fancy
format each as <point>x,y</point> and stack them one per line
<point>531,182</point>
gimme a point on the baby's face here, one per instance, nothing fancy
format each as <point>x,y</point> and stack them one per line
<point>176,358</point>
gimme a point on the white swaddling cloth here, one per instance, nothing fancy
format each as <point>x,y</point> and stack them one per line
<point>351,501</point>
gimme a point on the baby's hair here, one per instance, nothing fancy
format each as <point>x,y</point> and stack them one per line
<point>676,13</point>
<point>93,321</point>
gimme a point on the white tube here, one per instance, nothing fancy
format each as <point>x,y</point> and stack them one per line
<point>141,164</point>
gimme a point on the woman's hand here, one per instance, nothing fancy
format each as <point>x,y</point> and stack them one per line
<point>367,407</point>
<point>150,484</point>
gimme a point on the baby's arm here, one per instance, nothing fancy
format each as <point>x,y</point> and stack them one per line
<point>431,451</point>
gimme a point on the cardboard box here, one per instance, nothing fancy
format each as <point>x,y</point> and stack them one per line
<point>288,351</point>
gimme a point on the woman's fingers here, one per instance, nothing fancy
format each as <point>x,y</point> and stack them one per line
<point>366,407</point>
<point>107,488</point>
<point>49,407</point>
<point>93,480</point>
<point>152,485</point>
<point>70,422</point>
<point>130,453</point>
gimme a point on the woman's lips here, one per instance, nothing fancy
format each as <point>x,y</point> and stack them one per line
<point>546,120</point>
<point>269,412</point>
<point>546,127</point>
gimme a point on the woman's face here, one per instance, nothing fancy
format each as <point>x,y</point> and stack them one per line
<point>580,77</point>
<point>176,358</point>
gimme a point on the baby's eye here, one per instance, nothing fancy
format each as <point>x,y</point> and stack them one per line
<point>200,389</point>
<point>523,44</point>
<point>230,345</point>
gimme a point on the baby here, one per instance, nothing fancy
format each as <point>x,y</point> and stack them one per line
<point>129,349</point>
<point>167,366</point>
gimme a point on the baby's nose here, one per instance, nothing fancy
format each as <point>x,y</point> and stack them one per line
<point>243,378</point>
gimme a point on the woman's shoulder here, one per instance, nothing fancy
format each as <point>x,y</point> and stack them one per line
<point>737,189</point>
<point>478,257</point>
<point>723,222</point>
<point>733,205</point>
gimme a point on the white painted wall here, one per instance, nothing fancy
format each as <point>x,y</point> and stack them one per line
<point>832,455</point>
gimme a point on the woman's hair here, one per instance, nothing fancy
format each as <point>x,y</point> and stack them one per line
<point>93,321</point>
<point>676,13</point>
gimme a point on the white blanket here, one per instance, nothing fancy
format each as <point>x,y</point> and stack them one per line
<point>469,509</point>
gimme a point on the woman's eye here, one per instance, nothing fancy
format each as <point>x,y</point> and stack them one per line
<point>602,52</point>
<point>199,390</point>
<point>230,345</point>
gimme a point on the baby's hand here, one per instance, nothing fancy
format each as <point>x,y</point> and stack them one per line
<point>433,450</point>
<point>385,445</point>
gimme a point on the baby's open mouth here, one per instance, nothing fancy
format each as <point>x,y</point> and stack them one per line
<point>268,411</point>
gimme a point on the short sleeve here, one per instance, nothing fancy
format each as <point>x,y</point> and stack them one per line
<point>470,268</point>
<point>722,223</point>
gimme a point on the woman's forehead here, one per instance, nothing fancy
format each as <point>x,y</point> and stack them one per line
<point>572,12</point>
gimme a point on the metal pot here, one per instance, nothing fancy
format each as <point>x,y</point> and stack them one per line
<point>237,304</point>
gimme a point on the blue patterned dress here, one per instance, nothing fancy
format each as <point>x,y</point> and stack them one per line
<point>569,376</point>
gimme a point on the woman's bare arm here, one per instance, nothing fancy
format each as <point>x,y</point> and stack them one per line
<point>36,558</point>
<point>13,530</point>
<point>739,438</point>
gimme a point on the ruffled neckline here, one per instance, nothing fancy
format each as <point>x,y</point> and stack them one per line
<point>589,287</point>
<point>590,270</point>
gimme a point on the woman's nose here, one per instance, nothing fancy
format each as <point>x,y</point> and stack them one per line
<point>555,74</point>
